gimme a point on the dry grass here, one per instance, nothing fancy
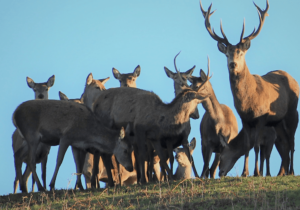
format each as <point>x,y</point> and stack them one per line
<point>227,193</point>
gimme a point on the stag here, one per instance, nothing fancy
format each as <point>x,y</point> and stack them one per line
<point>20,146</point>
<point>218,126</point>
<point>154,122</point>
<point>66,123</point>
<point>270,99</point>
<point>184,168</point>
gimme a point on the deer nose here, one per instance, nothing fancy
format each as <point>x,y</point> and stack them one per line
<point>40,96</point>
<point>232,65</point>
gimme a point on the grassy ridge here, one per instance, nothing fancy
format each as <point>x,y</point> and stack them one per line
<point>227,193</point>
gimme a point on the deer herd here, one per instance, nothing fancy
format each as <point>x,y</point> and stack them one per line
<point>127,135</point>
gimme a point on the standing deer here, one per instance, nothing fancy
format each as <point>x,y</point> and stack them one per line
<point>184,168</point>
<point>177,79</point>
<point>66,123</point>
<point>126,80</point>
<point>20,146</point>
<point>218,126</point>
<point>270,99</point>
<point>153,121</point>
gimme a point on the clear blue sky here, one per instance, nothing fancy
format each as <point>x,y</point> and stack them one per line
<point>70,39</point>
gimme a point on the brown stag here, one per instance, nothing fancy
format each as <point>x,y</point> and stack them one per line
<point>153,121</point>
<point>20,146</point>
<point>218,126</point>
<point>270,99</point>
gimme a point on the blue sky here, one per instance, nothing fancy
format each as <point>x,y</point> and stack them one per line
<point>70,39</point>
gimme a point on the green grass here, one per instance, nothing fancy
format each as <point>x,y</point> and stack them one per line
<point>227,193</point>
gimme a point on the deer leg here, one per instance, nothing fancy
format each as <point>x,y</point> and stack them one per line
<point>256,170</point>
<point>282,147</point>
<point>60,156</point>
<point>171,156</point>
<point>32,164</point>
<point>18,169</point>
<point>117,176</point>
<point>246,169</point>
<point>157,146</point>
<point>267,156</point>
<point>33,184</point>
<point>206,153</point>
<point>43,168</point>
<point>26,176</point>
<point>194,167</point>
<point>215,165</point>
<point>95,171</point>
<point>107,163</point>
<point>79,157</point>
<point>150,161</point>
<point>87,169</point>
<point>140,139</point>
<point>262,159</point>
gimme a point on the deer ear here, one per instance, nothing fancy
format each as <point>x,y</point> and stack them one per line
<point>30,82</point>
<point>203,75</point>
<point>116,73</point>
<point>176,150</point>
<point>89,79</point>
<point>222,47</point>
<point>137,71</point>
<point>103,81</point>
<point>169,73</point>
<point>246,44</point>
<point>122,133</point>
<point>62,96</point>
<point>192,145</point>
<point>50,81</point>
<point>190,72</point>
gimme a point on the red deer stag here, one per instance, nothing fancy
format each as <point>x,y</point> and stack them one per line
<point>66,123</point>
<point>153,121</point>
<point>218,126</point>
<point>20,146</point>
<point>270,99</point>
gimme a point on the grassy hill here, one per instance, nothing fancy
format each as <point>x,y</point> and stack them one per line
<point>227,193</point>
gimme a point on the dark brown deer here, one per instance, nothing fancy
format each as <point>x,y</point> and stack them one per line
<point>66,123</point>
<point>218,126</point>
<point>153,121</point>
<point>20,146</point>
<point>270,99</point>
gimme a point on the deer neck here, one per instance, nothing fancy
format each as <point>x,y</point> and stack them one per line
<point>183,172</point>
<point>243,86</point>
<point>213,107</point>
<point>241,144</point>
<point>178,88</point>
<point>106,138</point>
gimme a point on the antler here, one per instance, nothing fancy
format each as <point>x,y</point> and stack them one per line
<point>262,14</point>
<point>208,72</point>
<point>183,82</point>
<point>206,15</point>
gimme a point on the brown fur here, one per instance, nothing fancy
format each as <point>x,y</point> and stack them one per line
<point>218,126</point>
<point>270,100</point>
<point>67,123</point>
<point>159,123</point>
<point>20,146</point>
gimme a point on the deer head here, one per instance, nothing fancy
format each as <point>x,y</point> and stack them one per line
<point>235,53</point>
<point>127,80</point>
<point>181,157</point>
<point>123,149</point>
<point>93,89</point>
<point>40,89</point>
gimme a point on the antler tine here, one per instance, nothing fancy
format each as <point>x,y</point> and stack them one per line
<point>261,14</point>
<point>207,76</point>
<point>183,82</point>
<point>208,27</point>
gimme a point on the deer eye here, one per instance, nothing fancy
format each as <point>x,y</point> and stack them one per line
<point>98,87</point>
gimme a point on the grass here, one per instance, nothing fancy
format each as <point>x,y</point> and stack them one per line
<point>227,193</point>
